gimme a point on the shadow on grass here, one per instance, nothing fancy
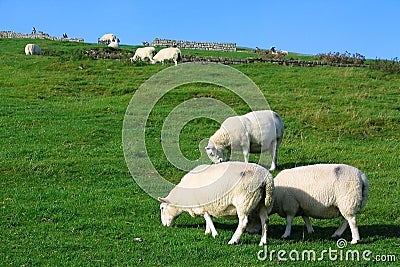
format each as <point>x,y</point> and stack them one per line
<point>368,233</point>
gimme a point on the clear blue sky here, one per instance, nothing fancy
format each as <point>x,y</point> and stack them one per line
<point>368,27</point>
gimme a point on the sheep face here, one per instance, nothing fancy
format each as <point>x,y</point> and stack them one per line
<point>213,153</point>
<point>168,213</point>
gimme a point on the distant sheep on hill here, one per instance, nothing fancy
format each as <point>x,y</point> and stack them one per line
<point>170,53</point>
<point>107,38</point>
<point>144,52</point>
<point>32,49</point>
<point>114,44</point>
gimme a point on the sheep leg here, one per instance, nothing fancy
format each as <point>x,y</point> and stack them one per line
<point>240,229</point>
<point>289,220</point>
<point>341,229</point>
<point>246,155</point>
<point>263,213</point>
<point>354,230</point>
<point>310,229</point>
<point>208,229</point>
<point>210,225</point>
<point>274,155</point>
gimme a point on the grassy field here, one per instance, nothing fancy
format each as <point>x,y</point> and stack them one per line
<point>68,199</point>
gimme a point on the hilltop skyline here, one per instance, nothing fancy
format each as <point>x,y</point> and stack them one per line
<point>308,28</point>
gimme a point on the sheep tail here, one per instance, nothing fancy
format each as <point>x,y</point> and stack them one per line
<point>269,193</point>
<point>365,189</point>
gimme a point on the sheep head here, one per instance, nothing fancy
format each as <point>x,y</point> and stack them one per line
<point>213,153</point>
<point>168,212</point>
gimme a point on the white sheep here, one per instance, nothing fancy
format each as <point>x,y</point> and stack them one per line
<point>107,38</point>
<point>32,49</point>
<point>232,189</point>
<point>170,53</point>
<point>255,132</point>
<point>114,44</point>
<point>321,191</point>
<point>143,52</point>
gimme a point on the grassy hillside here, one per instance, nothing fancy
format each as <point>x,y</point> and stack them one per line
<point>68,199</point>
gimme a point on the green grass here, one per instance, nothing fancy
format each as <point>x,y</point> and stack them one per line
<point>68,199</point>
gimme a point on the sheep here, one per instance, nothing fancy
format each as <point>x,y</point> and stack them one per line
<point>32,49</point>
<point>107,38</point>
<point>321,191</point>
<point>143,52</point>
<point>222,190</point>
<point>170,53</point>
<point>254,132</point>
<point>114,44</point>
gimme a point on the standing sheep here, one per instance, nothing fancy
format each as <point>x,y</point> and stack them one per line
<point>114,44</point>
<point>107,38</point>
<point>321,191</point>
<point>255,132</point>
<point>170,53</point>
<point>32,49</point>
<point>219,190</point>
<point>144,52</point>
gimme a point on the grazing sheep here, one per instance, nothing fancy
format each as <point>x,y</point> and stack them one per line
<point>255,132</point>
<point>114,44</point>
<point>321,191</point>
<point>170,53</point>
<point>220,190</point>
<point>143,52</point>
<point>32,49</point>
<point>107,38</point>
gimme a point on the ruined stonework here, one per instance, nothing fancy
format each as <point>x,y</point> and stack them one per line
<point>39,35</point>
<point>213,46</point>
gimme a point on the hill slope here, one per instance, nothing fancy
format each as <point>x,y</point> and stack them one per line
<point>68,198</point>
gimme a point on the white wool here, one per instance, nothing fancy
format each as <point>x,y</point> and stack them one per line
<point>254,132</point>
<point>170,53</point>
<point>321,191</point>
<point>108,37</point>
<point>220,139</point>
<point>142,53</point>
<point>32,49</point>
<point>221,190</point>
<point>114,44</point>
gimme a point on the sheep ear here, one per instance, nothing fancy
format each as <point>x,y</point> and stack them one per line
<point>163,200</point>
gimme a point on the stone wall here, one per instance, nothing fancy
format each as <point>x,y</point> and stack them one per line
<point>214,46</point>
<point>289,62</point>
<point>39,35</point>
